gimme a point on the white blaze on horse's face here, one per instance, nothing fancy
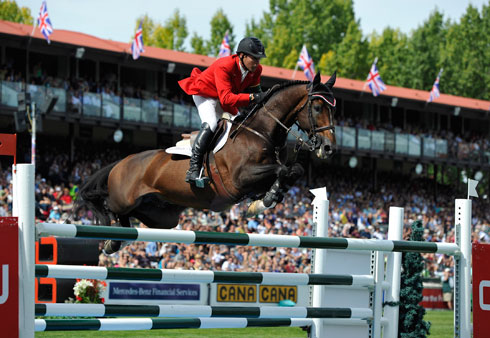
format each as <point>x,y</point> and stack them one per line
<point>323,116</point>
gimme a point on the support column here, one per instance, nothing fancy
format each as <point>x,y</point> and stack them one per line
<point>462,286</point>
<point>320,217</point>
<point>3,56</point>
<point>393,272</point>
<point>97,71</point>
<point>24,210</point>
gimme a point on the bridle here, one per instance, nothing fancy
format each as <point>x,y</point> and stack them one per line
<point>313,142</point>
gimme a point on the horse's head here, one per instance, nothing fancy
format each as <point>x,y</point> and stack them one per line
<point>317,118</point>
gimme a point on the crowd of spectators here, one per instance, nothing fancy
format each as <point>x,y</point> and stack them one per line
<point>357,210</point>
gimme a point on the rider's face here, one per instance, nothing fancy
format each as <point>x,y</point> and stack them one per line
<point>251,62</point>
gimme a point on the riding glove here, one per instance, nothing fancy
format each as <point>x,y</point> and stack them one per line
<point>257,98</point>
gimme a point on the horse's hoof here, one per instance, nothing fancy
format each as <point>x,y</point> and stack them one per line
<point>111,247</point>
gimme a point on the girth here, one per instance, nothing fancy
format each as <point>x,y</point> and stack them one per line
<point>216,179</point>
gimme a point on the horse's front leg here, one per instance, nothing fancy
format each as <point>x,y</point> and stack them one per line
<point>286,177</point>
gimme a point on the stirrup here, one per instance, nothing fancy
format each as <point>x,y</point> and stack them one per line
<point>201,181</point>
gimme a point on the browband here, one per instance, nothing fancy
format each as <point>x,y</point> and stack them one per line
<point>322,96</point>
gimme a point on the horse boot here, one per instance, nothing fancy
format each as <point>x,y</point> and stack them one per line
<point>274,195</point>
<point>198,149</point>
<point>111,247</point>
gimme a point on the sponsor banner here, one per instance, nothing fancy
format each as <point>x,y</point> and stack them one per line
<point>432,298</point>
<point>254,294</point>
<point>141,292</point>
<point>9,277</point>
<point>274,293</point>
<point>236,293</point>
<point>481,290</point>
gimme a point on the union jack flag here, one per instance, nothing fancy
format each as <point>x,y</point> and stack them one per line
<point>137,45</point>
<point>306,63</point>
<point>44,23</point>
<point>224,49</point>
<point>374,80</point>
<point>435,93</point>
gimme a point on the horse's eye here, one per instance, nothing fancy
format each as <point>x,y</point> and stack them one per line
<point>317,108</point>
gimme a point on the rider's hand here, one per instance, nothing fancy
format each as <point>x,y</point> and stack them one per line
<point>257,98</point>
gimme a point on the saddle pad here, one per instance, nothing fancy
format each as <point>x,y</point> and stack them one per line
<point>183,147</point>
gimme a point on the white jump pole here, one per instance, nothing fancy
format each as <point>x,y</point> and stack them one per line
<point>320,217</point>
<point>23,195</point>
<point>393,272</point>
<point>462,287</point>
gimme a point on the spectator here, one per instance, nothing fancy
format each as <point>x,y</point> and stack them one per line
<point>447,288</point>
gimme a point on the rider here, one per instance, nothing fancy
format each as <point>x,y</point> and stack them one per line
<point>230,82</point>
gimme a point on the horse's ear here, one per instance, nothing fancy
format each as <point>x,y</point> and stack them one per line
<point>331,81</point>
<point>317,78</point>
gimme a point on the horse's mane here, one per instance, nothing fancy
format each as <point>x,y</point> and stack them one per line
<point>283,85</point>
<point>279,87</point>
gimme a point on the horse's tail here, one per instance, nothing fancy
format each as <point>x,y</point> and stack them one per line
<point>93,194</point>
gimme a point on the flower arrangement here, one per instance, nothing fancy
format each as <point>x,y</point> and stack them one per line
<point>88,291</point>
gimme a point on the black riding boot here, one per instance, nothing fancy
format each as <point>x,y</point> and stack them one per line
<point>198,150</point>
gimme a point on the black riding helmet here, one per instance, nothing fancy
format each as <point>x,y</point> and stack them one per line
<point>251,46</point>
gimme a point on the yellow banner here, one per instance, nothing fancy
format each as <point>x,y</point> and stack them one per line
<point>275,293</point>
<point>236,293</point>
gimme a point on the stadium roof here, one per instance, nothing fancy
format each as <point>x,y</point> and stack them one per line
<point>90,41</point>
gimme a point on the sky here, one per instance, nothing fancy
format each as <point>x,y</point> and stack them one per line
<point>116,20</point>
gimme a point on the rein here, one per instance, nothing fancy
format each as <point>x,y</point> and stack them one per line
<point>241,125</point>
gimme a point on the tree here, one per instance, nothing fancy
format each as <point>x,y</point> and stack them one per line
<point>219,26</point>
<point>466,56</point>
<point>10,11</point>
<point>171,35</point>
<point>349,57</point>
<point>392,51</point>
<point>262,29</point>
<point>424,51</point>
<point>197,44</point>
<point>320,24</point>
<point>148,26</point>
<point>411,323</point>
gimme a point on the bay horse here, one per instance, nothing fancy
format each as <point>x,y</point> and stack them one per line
<point>150,186</point>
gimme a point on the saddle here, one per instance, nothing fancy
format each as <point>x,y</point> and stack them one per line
<point>184,146</point>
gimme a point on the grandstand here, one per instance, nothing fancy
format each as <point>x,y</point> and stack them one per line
<point>395,146</point>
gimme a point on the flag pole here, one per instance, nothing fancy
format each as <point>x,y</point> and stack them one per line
<point>294,72</point>
<point>296,67</point>
<point>33,28</point>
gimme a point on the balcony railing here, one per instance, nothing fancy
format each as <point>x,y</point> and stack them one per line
<point>162,112</point>
<point>409,145</point>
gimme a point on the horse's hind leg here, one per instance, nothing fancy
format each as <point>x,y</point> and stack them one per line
<point>155,212</point>
<point>112,246</point>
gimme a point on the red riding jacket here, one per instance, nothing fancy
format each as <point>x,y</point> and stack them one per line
<point>222,80</point>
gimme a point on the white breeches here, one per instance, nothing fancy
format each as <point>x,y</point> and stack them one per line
<point>209,109</point>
